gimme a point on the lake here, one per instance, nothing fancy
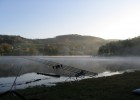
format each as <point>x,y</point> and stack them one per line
<point>27,66</point>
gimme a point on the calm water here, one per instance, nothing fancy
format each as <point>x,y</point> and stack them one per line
<point>10,66</point>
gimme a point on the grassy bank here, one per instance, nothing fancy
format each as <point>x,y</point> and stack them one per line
<point>116,87</point>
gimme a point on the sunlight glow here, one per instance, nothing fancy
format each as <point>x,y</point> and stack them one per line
<point>108,19</point>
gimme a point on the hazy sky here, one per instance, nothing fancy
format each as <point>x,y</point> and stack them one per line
<point>108,19</point>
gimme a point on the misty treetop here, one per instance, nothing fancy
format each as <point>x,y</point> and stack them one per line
<point>121,48</point>
<point>68,45</point>
<point>61,45</point>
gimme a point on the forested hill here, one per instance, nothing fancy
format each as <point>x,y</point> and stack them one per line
<point>129,47</point>
<point>60,45</point>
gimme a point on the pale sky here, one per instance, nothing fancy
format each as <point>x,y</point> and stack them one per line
<point>108,19</point>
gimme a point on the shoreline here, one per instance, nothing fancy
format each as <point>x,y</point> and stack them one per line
<point>47,81</point>
<point>116,87</point>
<point>32,79</point>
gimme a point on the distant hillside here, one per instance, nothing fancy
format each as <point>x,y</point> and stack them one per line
<point>121,48</point>
<point>60,45</point>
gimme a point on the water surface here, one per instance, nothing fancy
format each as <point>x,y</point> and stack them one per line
<point>27,66</point>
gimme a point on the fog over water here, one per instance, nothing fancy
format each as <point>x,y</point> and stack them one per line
<point>27,66</point>
<point>9,65</point>
<point>98,64</point>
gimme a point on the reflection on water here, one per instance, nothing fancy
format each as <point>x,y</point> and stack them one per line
<point>27,80</point>
<point>104,66</point>
<point>33,79</point>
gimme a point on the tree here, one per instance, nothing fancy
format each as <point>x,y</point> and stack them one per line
<point>6,49</point>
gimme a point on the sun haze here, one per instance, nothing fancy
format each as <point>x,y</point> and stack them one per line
<point>108,19</point>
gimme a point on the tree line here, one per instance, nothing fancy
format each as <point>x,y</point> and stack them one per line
<point>60,45</point>
<point>121,48</point>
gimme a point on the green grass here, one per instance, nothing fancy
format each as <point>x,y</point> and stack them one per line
<point>117,87</point>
